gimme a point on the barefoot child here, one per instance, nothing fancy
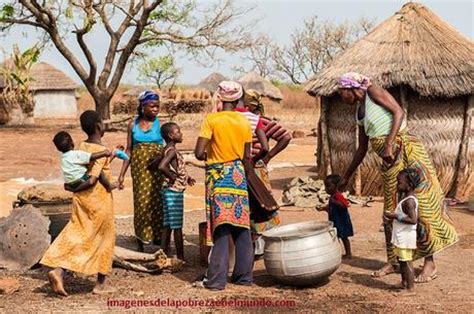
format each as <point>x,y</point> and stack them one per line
<point>338,213</point>
<point>74,162</point>
<point>404,221</point>
<point>86,244</point>
<point>172,165</point>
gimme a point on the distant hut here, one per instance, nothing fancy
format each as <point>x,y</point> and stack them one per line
<point>54,92</point>
<point>427,65</point>
<point>254,81</point>
<point>210,82</point>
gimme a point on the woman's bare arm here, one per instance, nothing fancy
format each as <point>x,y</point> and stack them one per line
<point>200,149</point>
<point>128,151</point>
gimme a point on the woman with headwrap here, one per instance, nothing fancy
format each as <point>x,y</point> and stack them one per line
<point>144,142</point>
<point>382,122</point>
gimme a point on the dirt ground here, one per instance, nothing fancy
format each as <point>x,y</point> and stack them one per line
<point>27,156</point>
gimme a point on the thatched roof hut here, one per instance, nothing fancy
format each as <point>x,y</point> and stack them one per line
<point>210,82</point>
<point>54,92</point>
<point>427,65</point>
<point>254,81</point>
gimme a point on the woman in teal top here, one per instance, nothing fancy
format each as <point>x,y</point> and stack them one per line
<point>144,142</point>
<point>382,122</point>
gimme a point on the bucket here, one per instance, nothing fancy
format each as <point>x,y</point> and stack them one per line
<point>58,212</point>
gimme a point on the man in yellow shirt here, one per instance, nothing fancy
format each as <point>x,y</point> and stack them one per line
<point>224,144</point>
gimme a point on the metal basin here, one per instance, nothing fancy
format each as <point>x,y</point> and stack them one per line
<point>302,254</point>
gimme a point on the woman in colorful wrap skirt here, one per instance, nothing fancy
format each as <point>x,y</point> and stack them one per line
<point>382,122</point>
<point>144,143</point>
<point>224,143</point>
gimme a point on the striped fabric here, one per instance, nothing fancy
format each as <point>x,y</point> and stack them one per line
<point>377,120</point>
<point>173,207</point>
<point>253,118</point>
<point>272,130</point>
<point>435,232</point>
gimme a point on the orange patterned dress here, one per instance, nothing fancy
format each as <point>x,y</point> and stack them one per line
<point>86,244</point>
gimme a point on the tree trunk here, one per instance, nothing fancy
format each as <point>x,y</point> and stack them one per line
<point>102,106</point>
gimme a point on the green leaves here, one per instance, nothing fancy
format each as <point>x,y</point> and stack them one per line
<point>160,70</point>
<point>7,11</point>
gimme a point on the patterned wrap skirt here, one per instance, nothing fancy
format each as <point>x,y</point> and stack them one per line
<point>147,184</point>
<point>173,207</point>
<point>435,231</point>
<point>227,199</point>
<point>262,219</point>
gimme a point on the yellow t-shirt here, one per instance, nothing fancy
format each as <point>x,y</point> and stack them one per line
<point>227,132</point>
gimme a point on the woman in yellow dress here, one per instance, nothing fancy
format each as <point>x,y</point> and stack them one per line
<point>382,122</point>
<point>86,244</point>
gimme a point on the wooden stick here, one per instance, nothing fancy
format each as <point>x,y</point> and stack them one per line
<point>463,155</point>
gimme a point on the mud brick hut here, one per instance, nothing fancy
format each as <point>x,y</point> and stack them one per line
<point>428,66</point>
<point>54,92</point>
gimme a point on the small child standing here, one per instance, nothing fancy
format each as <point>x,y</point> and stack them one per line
<point>338,212</point>
<point>74,163</point>
<point>404,222</point>
<point>172,165</point>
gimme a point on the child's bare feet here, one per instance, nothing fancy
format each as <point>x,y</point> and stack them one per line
<point>56,279</point>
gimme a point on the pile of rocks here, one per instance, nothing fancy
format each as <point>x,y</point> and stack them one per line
<point>306,192</point>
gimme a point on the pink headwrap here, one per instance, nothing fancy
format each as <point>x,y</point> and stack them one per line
<point>354,80</point>
<point>227,91</point>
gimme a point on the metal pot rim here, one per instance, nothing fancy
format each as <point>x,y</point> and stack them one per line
<point>274,233</point>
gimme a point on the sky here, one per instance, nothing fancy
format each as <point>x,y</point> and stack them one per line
<point>278,19</point>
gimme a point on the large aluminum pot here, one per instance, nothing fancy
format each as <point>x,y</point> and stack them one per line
<point>302,254</point>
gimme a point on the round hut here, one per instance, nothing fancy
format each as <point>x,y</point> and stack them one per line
<point>254,81</point>
<point>210,82</point>
<point>427,65</point>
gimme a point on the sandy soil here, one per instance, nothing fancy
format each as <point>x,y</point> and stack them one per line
<point>30,154</point>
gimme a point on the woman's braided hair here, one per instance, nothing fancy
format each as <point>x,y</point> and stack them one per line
<point>413,177</point>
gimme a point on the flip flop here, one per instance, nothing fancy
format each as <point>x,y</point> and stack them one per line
<point>425,279</point>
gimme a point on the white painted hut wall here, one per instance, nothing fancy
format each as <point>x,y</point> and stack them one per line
<point>55,104</point>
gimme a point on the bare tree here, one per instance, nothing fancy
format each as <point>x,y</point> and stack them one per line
<point>260,57</point>
<point>129,24</point>
<point>314,45</point>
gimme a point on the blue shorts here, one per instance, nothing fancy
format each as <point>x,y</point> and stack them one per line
<point>173,207</point>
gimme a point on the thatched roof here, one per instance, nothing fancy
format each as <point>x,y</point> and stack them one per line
<point>210,82</point>
<point>254,81</point>
<point>414,47</point>
<point>45,77</point>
